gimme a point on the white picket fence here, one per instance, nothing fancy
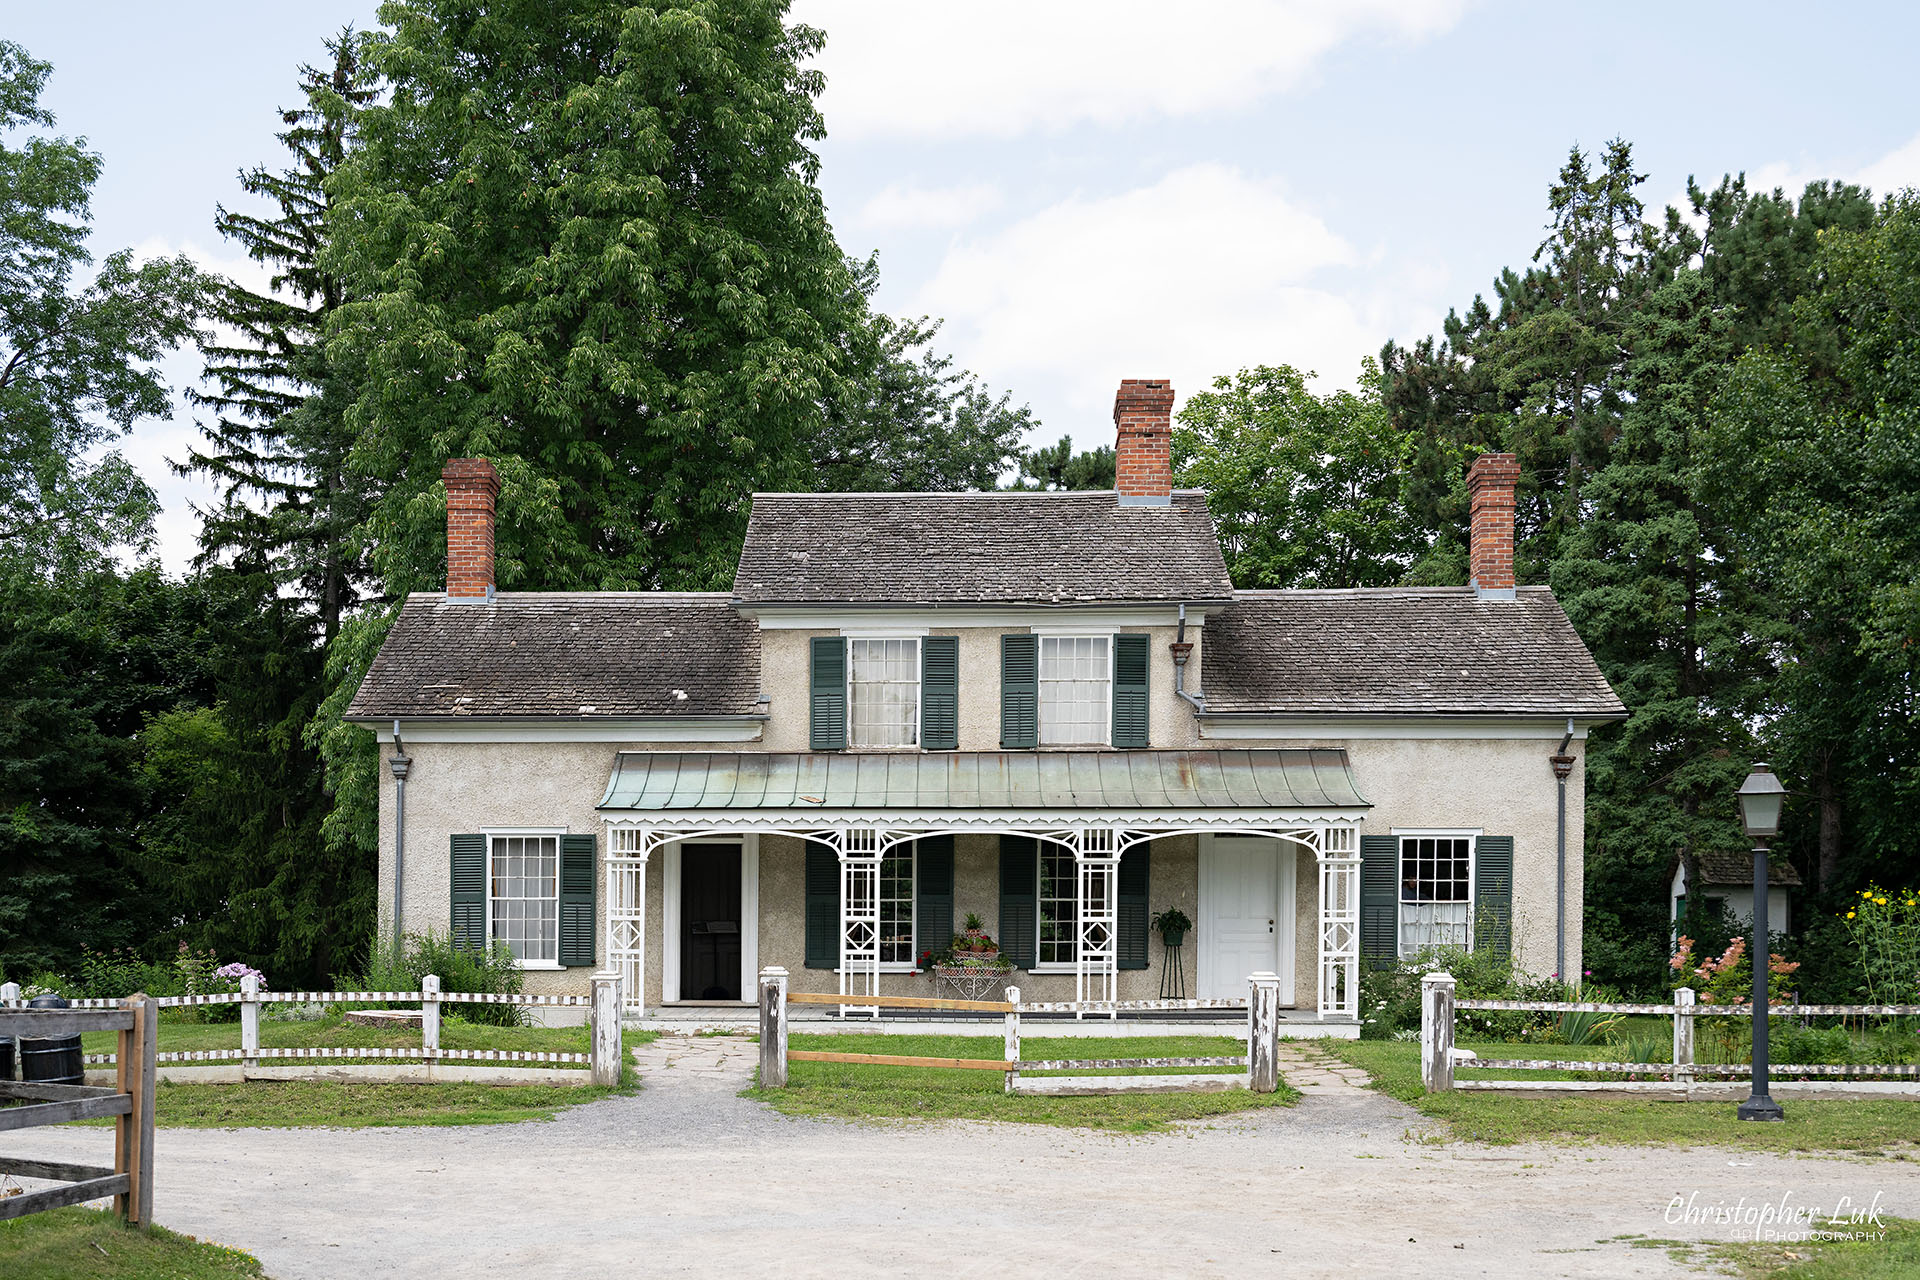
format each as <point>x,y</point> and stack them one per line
<point>1439,1059</point>
<point>603,1017</point>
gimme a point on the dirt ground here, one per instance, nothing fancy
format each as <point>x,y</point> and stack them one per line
<point>688,1178</point>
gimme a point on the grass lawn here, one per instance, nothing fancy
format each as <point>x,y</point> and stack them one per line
<point>1897,1254</point>
<point>1866,1125</point>
<point>86,1244</point>
<point>328,1104</point>
<point>923,1093</point>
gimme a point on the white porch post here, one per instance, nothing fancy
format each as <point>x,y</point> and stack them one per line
<point>859,850</point>
<point>627,853</point>
<point>1338,850</point>
<point>1096,852</point>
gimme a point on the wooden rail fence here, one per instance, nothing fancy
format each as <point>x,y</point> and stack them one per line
<point>602,1005</point>
<point>130,1102</point>
<point>1440,1060</point>
<point>1259,1062</point>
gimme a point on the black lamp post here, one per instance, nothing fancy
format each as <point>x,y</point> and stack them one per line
<point>1761,796</point>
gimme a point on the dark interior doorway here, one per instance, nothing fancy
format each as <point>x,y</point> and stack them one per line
<point>710,922</point>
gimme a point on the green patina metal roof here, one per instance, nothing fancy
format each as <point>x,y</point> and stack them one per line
<point>1289,778</point>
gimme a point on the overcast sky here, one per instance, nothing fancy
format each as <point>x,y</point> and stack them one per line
<point>1094,190</point>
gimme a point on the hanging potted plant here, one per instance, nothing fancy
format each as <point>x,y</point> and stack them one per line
<point>1172,925</point>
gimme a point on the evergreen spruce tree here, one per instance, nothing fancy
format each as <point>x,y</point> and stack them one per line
<point>279,443</point>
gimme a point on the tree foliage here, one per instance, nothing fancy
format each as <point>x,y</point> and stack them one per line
<point>1305,489</point>
<point>76,358</point>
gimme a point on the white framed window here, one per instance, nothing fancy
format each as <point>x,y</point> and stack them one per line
<point>1076,690</point>
<point>1059,902</point>
<point>1436,890</point>
<point>896,907</point>
<point>883,691</point>
<point>523,894</point>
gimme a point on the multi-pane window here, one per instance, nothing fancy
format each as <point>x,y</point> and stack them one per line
<point>523,895</point>
<point>896,908</point>
<point>1059,904</point>
<point>883,693</point>
<point>1436,892</point>
<point>1076,689</point>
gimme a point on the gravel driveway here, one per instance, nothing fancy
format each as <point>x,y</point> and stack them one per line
<point>687,1178</point>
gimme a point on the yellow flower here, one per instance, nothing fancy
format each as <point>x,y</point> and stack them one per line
<point>1881,901</point>
<point>1849,915</point>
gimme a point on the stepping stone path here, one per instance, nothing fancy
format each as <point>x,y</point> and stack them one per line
<point>725,1062</point>
<point>1318,1074</point>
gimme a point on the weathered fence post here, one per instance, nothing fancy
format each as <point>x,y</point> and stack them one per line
<point>1436,1032</point>
<point>430,1016</point>
<point>1263,1032</point>
<point>773,1027</point>
<point>250,1020</point>
<point>1010,1050</point>
<point>604,1063</point>
<point>133,1132</point>
<point>1682,1034</point>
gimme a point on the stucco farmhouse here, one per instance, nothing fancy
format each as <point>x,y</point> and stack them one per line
<point>1049,710</point>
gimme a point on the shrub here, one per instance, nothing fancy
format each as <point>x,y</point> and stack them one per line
<point>114,975</point>
<point>493,971</point>
<point>1884,926</point>
<point>1390,997</point>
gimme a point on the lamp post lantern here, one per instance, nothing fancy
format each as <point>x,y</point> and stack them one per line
<point>1761,796</point>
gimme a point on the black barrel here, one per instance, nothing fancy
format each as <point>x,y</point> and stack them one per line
<point>6,1057</point>
<point>55,1060</point>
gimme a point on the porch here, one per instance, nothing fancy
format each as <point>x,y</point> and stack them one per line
<point>1066,856</point>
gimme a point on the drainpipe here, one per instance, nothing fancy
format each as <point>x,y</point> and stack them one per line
<point>1182,650</point>
<point>1562,768</point>
<point>401,763</point>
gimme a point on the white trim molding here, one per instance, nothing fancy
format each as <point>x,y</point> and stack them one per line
<point>749,845</point>
<point>856,619</point>
<point>1351,728</point>
<point>577,729</point>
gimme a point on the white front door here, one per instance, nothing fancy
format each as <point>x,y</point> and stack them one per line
<point>1246,915</point>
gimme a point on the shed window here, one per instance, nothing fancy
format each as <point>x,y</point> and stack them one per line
<point>523,896</point>
<point>1436,892</point>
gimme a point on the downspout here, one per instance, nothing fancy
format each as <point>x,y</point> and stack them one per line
<point>1562,768</point>
<point>401,763</point>
<point>1182,650</point>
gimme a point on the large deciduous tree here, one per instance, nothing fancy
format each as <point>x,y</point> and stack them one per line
<point>1305,488</point>
<point>76,357</point>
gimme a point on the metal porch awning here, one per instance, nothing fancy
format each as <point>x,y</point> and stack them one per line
<point>1286,778</point>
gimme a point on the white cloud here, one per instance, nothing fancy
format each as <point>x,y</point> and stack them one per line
<point>999,68</point>
<point>1204,272</point>
<point>1898,169</point>
<point>1894,171</point>
<point>905,206</point>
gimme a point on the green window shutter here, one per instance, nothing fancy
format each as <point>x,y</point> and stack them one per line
<point>823,907</point>
<point>1131,945</point>
<point>1379,900</point>
<point>1019,900</point>
<point>468,909</point>
<point>1019,691</point>
<point>933,891</point>
<point>576,900</point>
<point>828,704</point>
<point>1130,692</point>
<point>940,694</point>
<point>1493,894</point>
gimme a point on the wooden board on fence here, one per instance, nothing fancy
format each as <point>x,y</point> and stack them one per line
<point>898,1002</point>
<point>1129,1064</point>
<point>36,1114</point>
<point>60,1197</point>
<point>1100,1086</point>
<point>895,1060</point>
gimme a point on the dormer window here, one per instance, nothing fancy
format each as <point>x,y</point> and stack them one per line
<point>883,692</point>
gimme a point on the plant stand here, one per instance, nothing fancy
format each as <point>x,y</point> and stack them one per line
<point>969,983</point>
<point>1173,974</point>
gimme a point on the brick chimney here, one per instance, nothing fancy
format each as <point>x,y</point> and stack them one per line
<point>472,486</point>
<point>1490,484</point>
<point>1143,450</point>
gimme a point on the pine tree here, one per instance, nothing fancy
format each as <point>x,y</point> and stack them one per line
<point>279,443</point>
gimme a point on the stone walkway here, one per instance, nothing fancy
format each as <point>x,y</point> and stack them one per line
<point>1308,1067</point>
<point>709,1061</point>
